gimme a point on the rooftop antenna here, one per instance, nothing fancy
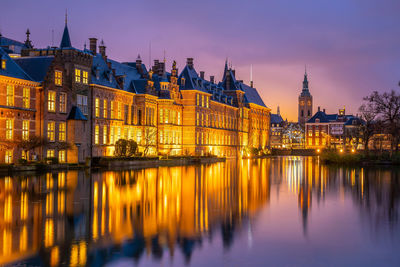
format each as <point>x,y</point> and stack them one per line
<point>52,37</point>
<point>251,75</point>
<point>66,16</point>
<point>305,69</point>
<point>149,54</point>
<point>164,57</point>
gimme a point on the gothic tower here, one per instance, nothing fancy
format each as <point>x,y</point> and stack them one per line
<point>305,103</point>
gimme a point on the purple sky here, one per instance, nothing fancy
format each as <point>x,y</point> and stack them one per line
<point>351,47</point>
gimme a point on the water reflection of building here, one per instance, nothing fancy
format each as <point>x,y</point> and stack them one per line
<point>74,218</point>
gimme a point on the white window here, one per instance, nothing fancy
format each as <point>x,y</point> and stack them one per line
<point>82,103</point>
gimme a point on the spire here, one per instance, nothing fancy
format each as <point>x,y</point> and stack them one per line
<point>28,42</point>
<point>65,41</point>
<point>251,76</point>
<point>305,81</point>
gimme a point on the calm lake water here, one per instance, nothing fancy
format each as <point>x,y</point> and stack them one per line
<point>284,211</point>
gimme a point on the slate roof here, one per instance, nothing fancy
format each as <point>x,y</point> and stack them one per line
<point>12,68</point>
<point>76,114</point>
<point>194,82</point>
<point>251,95</point>
<point>101,74</point>
<point>276,118</point>
<point>35,67</point>
<point>10,45</point>
<point>65,41</point>
<point>325,118</point>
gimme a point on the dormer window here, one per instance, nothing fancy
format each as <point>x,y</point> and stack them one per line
<point>3,64</point>
<point>183,81</point>
<point>58,78</point>
<point>317,120</point>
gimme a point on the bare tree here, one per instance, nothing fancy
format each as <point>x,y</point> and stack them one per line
<point>368,126</point>
<point>32,143</point>
<point>387,108</point>
<point>149,140</point>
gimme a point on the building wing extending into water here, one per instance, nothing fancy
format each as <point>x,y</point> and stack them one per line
<point>77,103</point>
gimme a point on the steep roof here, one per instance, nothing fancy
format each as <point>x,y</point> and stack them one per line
<point>35,67</point>
<point>66,40</point>
<point>276,118</point>
<point>12,68</point>
<point>251,95</point>
<point>102,74</point>
<point>76,114</point>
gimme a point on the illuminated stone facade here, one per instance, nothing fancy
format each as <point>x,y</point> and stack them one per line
<point>82,102</point>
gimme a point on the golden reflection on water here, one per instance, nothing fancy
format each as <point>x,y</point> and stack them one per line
<point>70,214</point>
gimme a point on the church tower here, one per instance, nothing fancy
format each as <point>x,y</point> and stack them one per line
<point>305,103</point>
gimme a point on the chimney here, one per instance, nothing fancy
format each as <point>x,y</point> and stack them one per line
<point>212,79</point>
<point>102,49</point>
<point>251,84</point>
<point>323,110</point>
<point>189,62</point>
<point>234,73</point>
<point>202,74</point>
<point>93,45</point>
<point>319,108</point>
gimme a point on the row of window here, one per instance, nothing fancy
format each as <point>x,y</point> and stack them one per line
<point>10,129</point>
<point>170,116</point>
<point>202,100</point>
<point>115,133</point>
<point>214,139</point>
<point>215,120</point>
<point>10,95</point>
<point>62,129</point>
<point>25,155</point>
<point>170,137</point>
<point>51,101</point>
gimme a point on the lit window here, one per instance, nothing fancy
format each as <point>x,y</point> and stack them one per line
<point>61,156</point>
<point>3,64</point>
<point>61,131</point>
<point>85,77</point>
<point>118,133</point>
<point>105,134</point>
<point>51,101</point>
<point>161,136</point>
<point>105,108</point>
<point>9,156</point>
<point>50,131</point>
<point>112,110</point>
<point>97,107</point>
<point>25,154</point>
<point>63,102</point>
<point>96,134</point>
<point>9,129</point>
<point>161,115</point>
<point>166,116</point>
<point>179,117</point>
<point>10,95</point>
<point>58,78</point>
<point>25,129</point>
<point>26,95</point>
<point>112,135</point>
<point>82,103</point>
<point>139,137</point>
<point>119,110</point>
<point>50,153</point>
<point>77,75</point>
<point>198,100</point>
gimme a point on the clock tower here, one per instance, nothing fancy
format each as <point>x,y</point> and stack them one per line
<point>305,103</point>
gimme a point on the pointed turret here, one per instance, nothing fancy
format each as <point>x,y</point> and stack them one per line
<point>28,42</point>
<point>65,41</point>
<point>305,82</point>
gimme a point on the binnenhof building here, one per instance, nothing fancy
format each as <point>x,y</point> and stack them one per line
<point>75,104</point>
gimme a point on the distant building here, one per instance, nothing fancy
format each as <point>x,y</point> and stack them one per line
<point>293,135</point>
<point>277,124</point>
<point>305,103</point>
<point>333,130</point>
